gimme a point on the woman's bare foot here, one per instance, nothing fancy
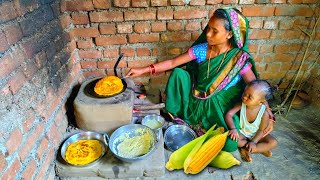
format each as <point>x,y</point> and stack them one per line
<point>245,155</point>
<point>267,153</point>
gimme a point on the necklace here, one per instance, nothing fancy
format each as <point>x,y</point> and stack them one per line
<point>224,56</point>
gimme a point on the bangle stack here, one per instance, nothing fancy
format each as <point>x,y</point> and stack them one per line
<point>152,69</point>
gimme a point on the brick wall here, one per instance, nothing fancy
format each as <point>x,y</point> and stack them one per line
<point>38,70</point>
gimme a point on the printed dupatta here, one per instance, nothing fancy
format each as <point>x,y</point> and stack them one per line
<point>233,62</point>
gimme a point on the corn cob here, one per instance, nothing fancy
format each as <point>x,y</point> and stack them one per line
<point>208,151</point>
<point>177,158</point>
<point>224,160</point>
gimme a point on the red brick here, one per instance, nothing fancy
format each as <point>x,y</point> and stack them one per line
<point>8,11</point>
<point>195,36</point>
<point>193,26</point>
<point>124,28</point>
<point>253,48</point>
<point>139,15</point>
<point>28,121</point>
<point>230,1</point>
<point>165,14</point>
<point>294,1</point>
<point>105,16</point>
<point>287,34</point>
<point>214,1</point>
<point>110,64</point>
<point>88,64</point>
<point>3,162</point>
<point>65,20</point>
<point>139,3</point>
<point>174,51</point>
<point>105,41</point>
<point>11,172</point>
<point>53,135</point>
<point>85,44</point>
<point>270,24</point>
<point>107,29</point>
<point>45,165</point>
<point>286,24</point>
<point>90,54</point>
<point>94,73</point>
<point>278,1</point>
<point>137,38</point>
<point>273,67</point>
<point>175,37</point>
<point>30,169</point>
<point>177,2</point>
<point>159,3</point>
<point>190,14</point>
<point>143,51</point>
<point>128,52</point>
<point>259,34</point>
<point>16,82</point>
<point>13,33</point>
<point>142,28</point>
<point>246,1</point>
<point>4,45</point>
<point>121,3</point>
<point>29,70</point>
<point>294,11</point>
<point>79,5</point>
<point>72,46</point>
<point>14,140</point>
<point>78,18</point>
<point>258,11</point>
<point>255,24</point>
<point>86,32</point>
<point>8,62</point>
<point>159,52</point>
<point>158,27</point>
<point>43,147</point>
<point>197,2</point>
<point>101,4</point>
<point>266,48</point>
<point>174,26</point>
<point>140,63</point>
<point>110,53</point>
<point>40,59</point>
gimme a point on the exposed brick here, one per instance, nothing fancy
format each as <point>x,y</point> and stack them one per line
<point>29,70</point>
<point>121,3</point>
<point>175,37</point>
<point>287,34</point>
<point>258,11</point>
<point>174,26</point>
<point>255,24</point>
<point>124,28</point>
<point>128,52</point>
<point>79,5</point>
<point>106,16</point>
<point>101,4</point>
<point>107,29</point>
<point>137,38</point>
<point>214,1</point>
<point>266,48</point>
<point>78,18</point>
<point>14,140</point>
<point>259,34</point>
<point>230,1</point>
<point>88,64</point>
<point>110,53</point>
<point>86,32</point>
<point>159,3</point>
<point>174,51</point>
<point>165,14</point>
<point>139,15</point>
<point>30,169</point>
<point>195,36</point>
<point>11,172</point>
<point>273,67</point>
<point>193,26</point>
<point>190,14</point>
<point>177,2</point>
<point>139,63</point>
<point>65,20</point>
<point>143,51</point>
<point>197,2</point>
<point>246,1</point>
<point>271,24</point>
<point>158,27</point>
<point>105,41</point>
<point>28,121</point>
<point>253,48</point>
<point>110,64</point>
<point>294,1</point>
<point>94,73</point>
<point>286,24</point>
<point>16,82</point>
<point>4,45</point>
<point>294,11</point>
<point>13,33</point>
<point>159,52</point>
<point>3,162</point>
<point>72,46</point>
<point>7,11</point>
<point>45,165</point>
<point>279,1</point>
<point>139,3</point>
<point>42,148</point>
<point>85,44</point>
<point>90,54</point>
<point>142,28</point>
<point>8,62</point>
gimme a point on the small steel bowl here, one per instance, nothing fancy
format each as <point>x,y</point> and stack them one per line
<point>178,135</point>
<point>155,122</point>
<point>86,135</point>
<point>129,131</point>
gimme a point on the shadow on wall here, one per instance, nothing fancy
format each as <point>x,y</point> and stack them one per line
<point>69,106</point>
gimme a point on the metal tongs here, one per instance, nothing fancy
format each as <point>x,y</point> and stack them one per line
<point>116,65</point>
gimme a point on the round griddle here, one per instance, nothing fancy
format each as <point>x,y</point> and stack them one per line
<point>89,89</point>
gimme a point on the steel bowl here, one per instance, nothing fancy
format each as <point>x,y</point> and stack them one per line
<point>130,131</point>
<point>178,135</point>
<point>86,135</point>
<point>155,122</point>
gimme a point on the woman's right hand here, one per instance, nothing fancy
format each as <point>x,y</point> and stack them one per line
<point>135,72</point>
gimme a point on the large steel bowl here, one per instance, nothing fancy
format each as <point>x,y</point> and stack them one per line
<point>178,135</point>
<point>86,135</point>
<point>129,131</point>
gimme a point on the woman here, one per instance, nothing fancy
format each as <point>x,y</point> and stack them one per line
<point>218,68</point>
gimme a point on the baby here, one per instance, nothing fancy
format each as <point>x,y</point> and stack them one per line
<point>253,120</point>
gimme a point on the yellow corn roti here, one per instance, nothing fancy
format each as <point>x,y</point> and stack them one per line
<point>108,86</point>
<point>83,152</point>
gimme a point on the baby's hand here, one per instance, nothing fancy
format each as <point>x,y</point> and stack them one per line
<point>233,133</point>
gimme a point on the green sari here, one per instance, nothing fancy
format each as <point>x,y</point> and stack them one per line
<point>200,98</point>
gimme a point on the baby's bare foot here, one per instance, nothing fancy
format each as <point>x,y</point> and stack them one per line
<point>245,155</point>
<point>267,153</point>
